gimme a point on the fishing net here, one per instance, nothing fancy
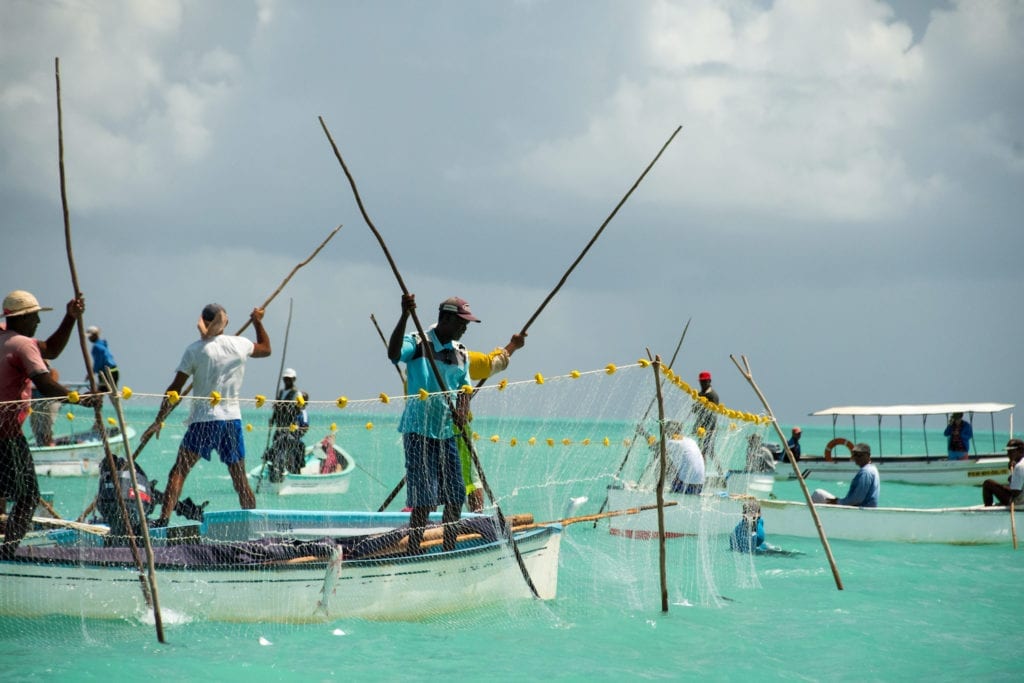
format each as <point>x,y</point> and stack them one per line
<point>550,449</point>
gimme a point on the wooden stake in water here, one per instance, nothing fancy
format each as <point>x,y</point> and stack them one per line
<point>745,371</point>
<point>660,490</point>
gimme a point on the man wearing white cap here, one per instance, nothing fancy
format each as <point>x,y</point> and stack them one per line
<point>286,449</point>
<point>22,365</point>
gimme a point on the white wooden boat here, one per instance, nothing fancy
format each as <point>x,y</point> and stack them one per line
<point>77,455</point>
<point>312,479</point>
<point>694,515</point>
<point>281,566</point>
<point>931,468</point>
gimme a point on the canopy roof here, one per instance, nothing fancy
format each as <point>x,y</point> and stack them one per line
<point>918,409</point>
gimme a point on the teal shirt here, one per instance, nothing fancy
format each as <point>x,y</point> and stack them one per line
<point>431,417</point>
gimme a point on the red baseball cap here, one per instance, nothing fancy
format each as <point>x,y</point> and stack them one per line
<point>459,307</point>
<point>704,375</point>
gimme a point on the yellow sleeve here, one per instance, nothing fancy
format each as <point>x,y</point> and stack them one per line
<point>483,365</point>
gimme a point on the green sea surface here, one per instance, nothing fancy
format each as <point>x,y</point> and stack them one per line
<point>906,611</point>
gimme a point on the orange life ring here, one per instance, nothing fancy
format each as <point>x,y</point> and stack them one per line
<point>838,441</point>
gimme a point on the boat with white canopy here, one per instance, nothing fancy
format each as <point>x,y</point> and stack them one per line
<point>931,467</point>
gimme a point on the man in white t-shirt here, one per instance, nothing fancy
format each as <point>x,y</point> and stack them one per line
<point>684,454</point>
<point>992,490</point>
<point>216,363</point>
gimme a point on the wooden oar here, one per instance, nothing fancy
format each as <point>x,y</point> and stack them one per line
<point>146,436</point>
<point>745,371</point>
<point>95,529</point>
<point>429,354</point>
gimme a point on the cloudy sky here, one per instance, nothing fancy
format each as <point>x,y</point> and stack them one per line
<point>843,204</point>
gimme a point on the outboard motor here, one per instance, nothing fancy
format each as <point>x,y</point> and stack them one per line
<point>109,508</point>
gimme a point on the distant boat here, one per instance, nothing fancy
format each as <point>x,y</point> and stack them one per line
<point>715,515</point>
<point>283,566</point>
<point>327,470</point>
<point>835,464</point>
<point>77,455</point>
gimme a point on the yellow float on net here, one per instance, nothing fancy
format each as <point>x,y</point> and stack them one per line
<point>512,442</point>
<point>248,426</point>
<point>532,441</point>
<point>476,436</point>
<point>260,400</point>
<point>495,438</point>
<point>112,422</point>
<point>69,415</point>
<point>575,374</point>
<point>334,427</point>
<point>214,398</point>
<point>644,363</point>
<point>384,398</point>
<point>369,425</point>
<point>293,427</point>
<point>701,431</point>
<point>651,441</point>
<point>610,368</point>
<point>300,401</point>
<point>173,397</point>
<point>566,442</point>
<point>538,378</point>
<point>342,402</point>
<point>467,389</point>
<point>551,442</point>
<point>606,441</point>
<point>73,397</point>
<point>585,442</point>
<point>502,384</point>
<point>126,393</point>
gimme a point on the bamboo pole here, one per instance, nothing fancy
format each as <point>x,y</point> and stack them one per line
<point>145,439</point>
<point>140,509</point>
<point>428,348</point>
<point>277,390</point>
<point>98,407</point>
<point>745,371</point>
<point>660,490</point>
<point>650,406</point>
<point>1013,525</point>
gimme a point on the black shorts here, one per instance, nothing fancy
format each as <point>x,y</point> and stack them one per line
<point>17,471</point>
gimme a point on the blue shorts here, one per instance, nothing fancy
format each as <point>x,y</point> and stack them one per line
<point>957,455</point>
<point>224,436</point>
<point>433,472</point>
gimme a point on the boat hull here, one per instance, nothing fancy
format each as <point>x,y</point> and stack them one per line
<point>694,515</point>
<point>904,469</point>
<point>294,591</point>
<point>80,459</point>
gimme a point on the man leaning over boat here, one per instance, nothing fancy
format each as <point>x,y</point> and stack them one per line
<point>864,487</point>
<point>992,490</point>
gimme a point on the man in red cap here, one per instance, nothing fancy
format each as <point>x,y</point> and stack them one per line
<point>433,469</point>
<point>706,418</point>
<point>22,365</point>
<point>794,442</point>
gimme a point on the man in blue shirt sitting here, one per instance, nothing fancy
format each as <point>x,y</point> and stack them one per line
<point>865,485</point>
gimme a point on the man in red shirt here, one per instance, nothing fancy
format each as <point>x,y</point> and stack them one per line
<point>22,365</point>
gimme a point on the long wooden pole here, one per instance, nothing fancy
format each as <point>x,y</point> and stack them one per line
<point>273,295</point>
<point>140,508</point>
<point>650,406</point>
<point>277,390</point>
<point>98,408</point>
<point>660,490</point>
<point>428,347</point>
<point>1013,525</point>
<point>745,371</point>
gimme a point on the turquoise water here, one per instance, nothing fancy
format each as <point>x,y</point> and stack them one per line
<point>906,612</point>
